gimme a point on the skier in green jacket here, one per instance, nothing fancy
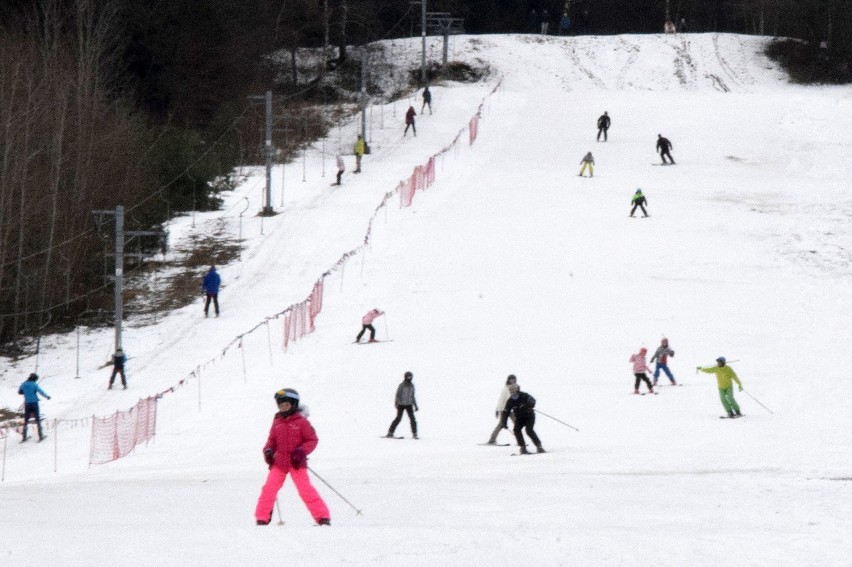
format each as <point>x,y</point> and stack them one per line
<point>724,376</point>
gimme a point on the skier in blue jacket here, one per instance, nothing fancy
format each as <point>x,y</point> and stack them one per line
<point>211,284</point>
<point>30,390</point>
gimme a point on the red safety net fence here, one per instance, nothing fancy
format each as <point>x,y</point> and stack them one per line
<point>117,435</point>
<point>473,129</point>
<point>299,318</point>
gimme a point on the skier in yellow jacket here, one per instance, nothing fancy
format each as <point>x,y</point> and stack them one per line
<point>725,376</point>
<point>359,149</point>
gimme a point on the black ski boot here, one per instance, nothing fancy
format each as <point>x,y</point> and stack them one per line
<point>523,450</point>
<point>540,449</point>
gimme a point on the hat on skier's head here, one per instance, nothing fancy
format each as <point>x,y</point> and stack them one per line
<point>638,191</point>
<point>287,395</point>
<point>721,360</point>
<point>514,389</point>
<point>643,350</point>
<point>511,379</point>
<point>408,376</point>
<point>33,377</point>
<point>665,341</point>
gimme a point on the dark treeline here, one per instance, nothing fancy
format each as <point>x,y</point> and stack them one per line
<point>143,104</point>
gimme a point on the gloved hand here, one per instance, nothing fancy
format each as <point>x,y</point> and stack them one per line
<point>269,457</point>
<point>741,388</point>
<point>496,414</point>
<point>298,459</point>
<point>697,368</point>
<point>416,408</point>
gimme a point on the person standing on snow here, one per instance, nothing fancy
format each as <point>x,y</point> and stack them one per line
<point>367,324</point>
<point>359,149</point>
<point>118,360</point>
<point>639,369</point>
<point>663,147</point>
<point>409,121</point>
<point>587,162</point>
<point>210,285</point>
<point>638,201</point>
<point>341,167</point>
<point>501,414</point>
<point>405,401</point>
<point>661,356</point>
<point>725,376</point>
<point>603,125</point>
<point>30,391</point>
<point>523,406</point>
<point>564,24</point>
<point>291,439</point>
<point>427,100</point>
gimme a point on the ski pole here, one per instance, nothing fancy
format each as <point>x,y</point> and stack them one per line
<point>758,401</point>
<point>278,506</point>
<point>560,421</point>
<point>358,512</point>
<point>387,332</point>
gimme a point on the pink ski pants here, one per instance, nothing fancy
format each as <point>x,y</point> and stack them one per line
<point>306,491</point>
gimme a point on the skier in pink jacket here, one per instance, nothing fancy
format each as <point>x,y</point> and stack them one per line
<point>367,322</point>
<point>291,439</point>
<point>639,369</point>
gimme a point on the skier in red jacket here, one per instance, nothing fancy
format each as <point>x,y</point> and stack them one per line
<point>409,121</point>
<point>291,440</point>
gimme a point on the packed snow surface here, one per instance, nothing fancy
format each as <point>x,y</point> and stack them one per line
<point>509,263</point>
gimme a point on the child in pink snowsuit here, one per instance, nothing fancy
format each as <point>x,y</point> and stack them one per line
<point>367,322</point>
<point>291,440</point>
<point>639,368</point>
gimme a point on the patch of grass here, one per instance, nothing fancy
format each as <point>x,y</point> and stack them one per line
<point>7,416</point>
<point>164,286</point>
<point>453,71</point>
<point>807,64</point>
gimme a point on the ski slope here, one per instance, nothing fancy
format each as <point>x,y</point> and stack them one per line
<point>510,263</point>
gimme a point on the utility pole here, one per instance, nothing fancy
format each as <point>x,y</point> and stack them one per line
<point>267,208</point>
<point>119,272</point>
<point>123,237</point>
<point>423,44</point>
<point>268,150</point>
<point>444,24</point>
<point>423,39</point>
<point>365,57</point>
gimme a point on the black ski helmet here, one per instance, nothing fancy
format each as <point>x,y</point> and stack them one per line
<point>287,395</point>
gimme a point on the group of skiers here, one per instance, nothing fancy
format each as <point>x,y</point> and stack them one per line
<point>664,147</point>
<point>360,148</point>
<point>520,408</point>
<point>725,375</point>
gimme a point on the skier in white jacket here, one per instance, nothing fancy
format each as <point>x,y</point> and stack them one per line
<point>501,413</point>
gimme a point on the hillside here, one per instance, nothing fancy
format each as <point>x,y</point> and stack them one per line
<point>509,263</point>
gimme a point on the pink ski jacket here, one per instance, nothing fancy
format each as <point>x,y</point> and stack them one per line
<point>369,317</point>
<point>639,364</point>
<point>288,434</point>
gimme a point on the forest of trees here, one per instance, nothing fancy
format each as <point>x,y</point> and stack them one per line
<point>143,103</point>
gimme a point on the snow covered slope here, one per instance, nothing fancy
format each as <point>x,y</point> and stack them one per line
<point>510,263</point>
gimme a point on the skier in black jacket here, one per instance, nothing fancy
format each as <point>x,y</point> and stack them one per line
<point>523,405</point>
<point>603,125</point>
<point>663,146</point>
